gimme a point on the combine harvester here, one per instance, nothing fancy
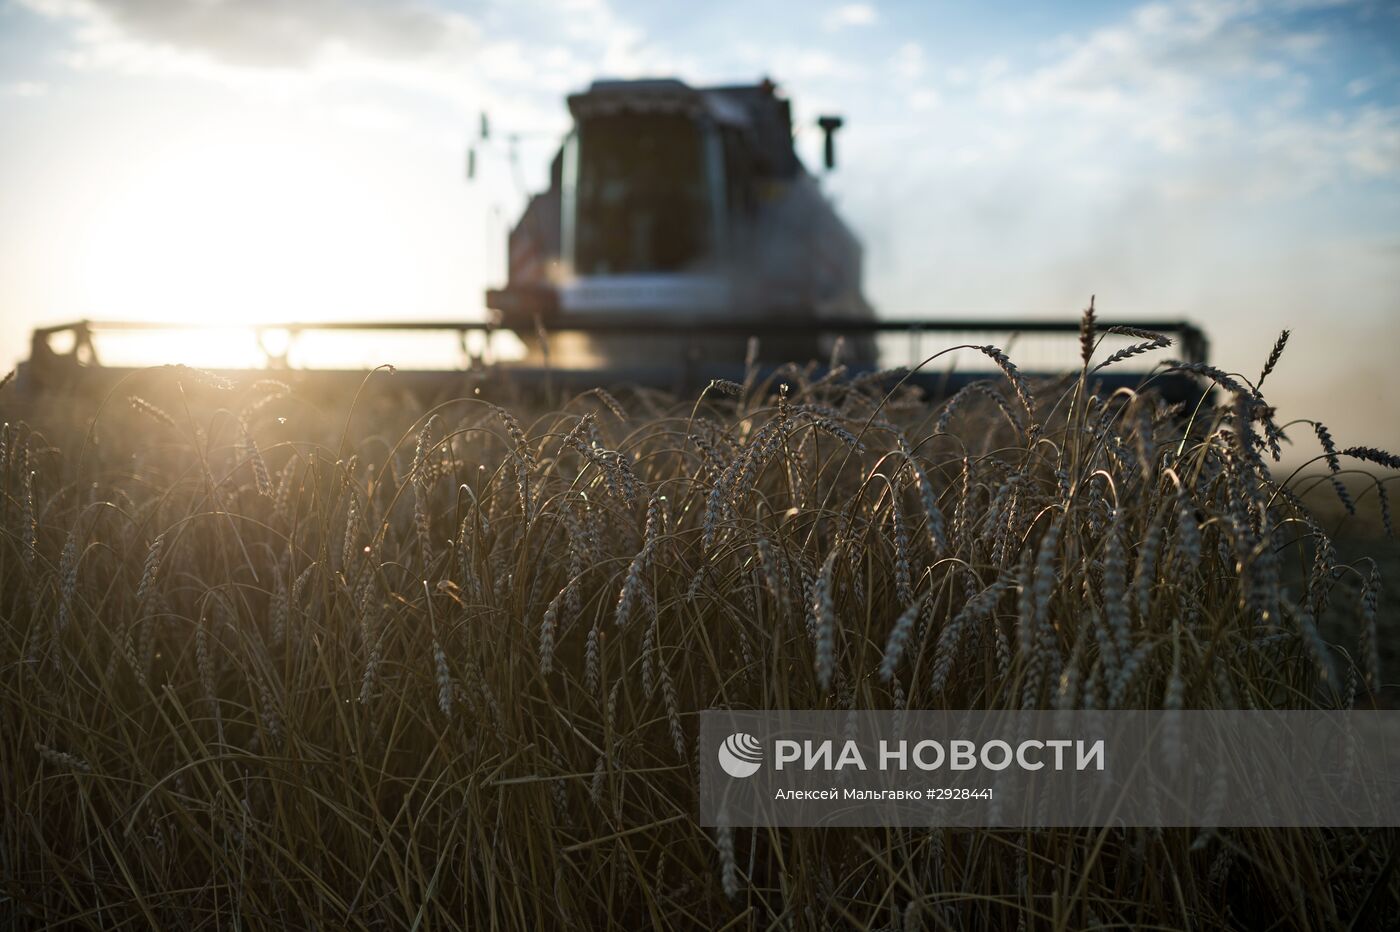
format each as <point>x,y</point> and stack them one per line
<point>679,223</point>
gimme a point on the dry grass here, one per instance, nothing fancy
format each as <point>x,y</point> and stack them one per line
<point>268,674</point>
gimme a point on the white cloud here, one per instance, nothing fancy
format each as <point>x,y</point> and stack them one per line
<point>908,61</point>
<point>290,35</point>
<point>1359,86</point>
<point>851,14</point>
<point>793,64</point>
<point>25,88</point>
<point>1221,86</point>
<point>924,99</point>
<point>354,59</point>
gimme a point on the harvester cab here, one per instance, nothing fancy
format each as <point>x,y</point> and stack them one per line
<point>676,205</point>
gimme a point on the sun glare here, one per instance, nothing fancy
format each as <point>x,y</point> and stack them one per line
<point>231,232</point>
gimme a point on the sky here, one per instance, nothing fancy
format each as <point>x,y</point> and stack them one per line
<point>1234,163</point>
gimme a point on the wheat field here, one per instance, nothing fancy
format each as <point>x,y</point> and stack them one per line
<point>268,665</point>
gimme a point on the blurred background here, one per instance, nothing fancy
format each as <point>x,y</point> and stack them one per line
<point>1234,163</point>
